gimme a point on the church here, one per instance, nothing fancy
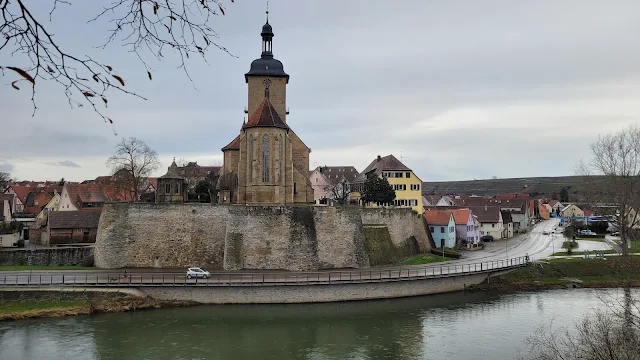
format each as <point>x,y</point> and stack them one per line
<point>267,163</point>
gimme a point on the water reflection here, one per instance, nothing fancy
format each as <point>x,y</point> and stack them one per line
<point>457,326</point>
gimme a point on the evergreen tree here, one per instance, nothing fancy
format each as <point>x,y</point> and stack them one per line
<point>377,190</point>
<point>564,195</point>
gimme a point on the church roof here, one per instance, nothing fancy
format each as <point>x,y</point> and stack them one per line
<point>265,116</point>
<point>172,172</point>
<point>233,145</point>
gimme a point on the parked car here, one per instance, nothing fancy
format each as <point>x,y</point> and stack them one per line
<point>487,238</point>
<point>545,232</point>
<point>196,272</point>
<point>615,233</point>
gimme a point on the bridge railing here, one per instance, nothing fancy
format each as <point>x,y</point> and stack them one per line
<point>271,278</point>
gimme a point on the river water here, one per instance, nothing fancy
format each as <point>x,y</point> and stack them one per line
<point>451,326</point>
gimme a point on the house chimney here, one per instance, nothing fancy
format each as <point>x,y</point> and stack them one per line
<point>379,158</point>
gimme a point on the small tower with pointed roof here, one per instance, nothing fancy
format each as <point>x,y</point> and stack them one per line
<point>266,163</point>
<point>172,187</point>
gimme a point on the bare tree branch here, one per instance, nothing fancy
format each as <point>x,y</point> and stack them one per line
<point>617,193</point>
<point>184,26</point>
<point>133,162</point>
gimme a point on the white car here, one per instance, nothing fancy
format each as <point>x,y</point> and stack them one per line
<point>195,272</point>
<point>545,232</point>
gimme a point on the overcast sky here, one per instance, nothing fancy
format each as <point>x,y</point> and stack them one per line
<point>457,89</point>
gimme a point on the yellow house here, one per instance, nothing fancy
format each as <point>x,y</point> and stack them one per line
<point>405,182</point>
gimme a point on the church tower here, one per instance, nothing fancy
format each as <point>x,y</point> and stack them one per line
<point>267,69</point>
<point>266,163</point>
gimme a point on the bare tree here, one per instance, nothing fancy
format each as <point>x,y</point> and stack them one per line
<point>609,334</point>
<point>5,179</point>
<point>144,27</point>
<point>133,162</point>
<point>340,192</point>
<point>617,157</point>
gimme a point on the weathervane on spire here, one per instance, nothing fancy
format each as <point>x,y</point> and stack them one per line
<point>267,11</point>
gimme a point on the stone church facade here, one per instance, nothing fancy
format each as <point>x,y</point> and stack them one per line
<point>267,163</point>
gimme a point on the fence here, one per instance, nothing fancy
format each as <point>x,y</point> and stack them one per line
<point>108,279</point>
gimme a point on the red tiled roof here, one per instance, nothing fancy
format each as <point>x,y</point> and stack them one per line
<point>461,216</point>
<point>265,115</point>
<point>233,145</point>
<point>438,217</point>
<point>21,192</point>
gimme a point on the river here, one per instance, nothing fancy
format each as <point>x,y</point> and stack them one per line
<point>450,326</point>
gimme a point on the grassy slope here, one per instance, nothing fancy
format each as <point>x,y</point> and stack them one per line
<point>557,273</point>
<point>425,259</point>
<point>56,304</point>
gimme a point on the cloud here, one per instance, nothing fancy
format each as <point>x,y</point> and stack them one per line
<point>489,88</point>
<point>66,163</point>
<point>6,167</point>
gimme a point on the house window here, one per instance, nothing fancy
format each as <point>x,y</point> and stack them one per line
<point>251,158</point>
<point>408,174</point>
<point>177,189</point>
<point>415,187</point>
<point>431,228</point>
<point>493,225</point>
<point>167,188</point>
<point>265,159</point>
<point>398,175</point>
<point>442,229</point>
<point>295,188</point>
<point>399,187</point>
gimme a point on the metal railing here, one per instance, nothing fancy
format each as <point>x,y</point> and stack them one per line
<point>118,279</point>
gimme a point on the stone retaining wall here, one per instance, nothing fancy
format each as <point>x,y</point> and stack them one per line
<point>234,237</point>
<point>46,257</point>
<point>315,293</point>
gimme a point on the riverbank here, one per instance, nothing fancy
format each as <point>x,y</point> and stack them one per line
<point>15,305</point>
<point>614,272</point>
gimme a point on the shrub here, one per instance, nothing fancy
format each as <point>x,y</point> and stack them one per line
<point>10,227</point>
<point>20,243</point>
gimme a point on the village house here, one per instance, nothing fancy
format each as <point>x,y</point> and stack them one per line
<point>556,206</point>
<point>466,232</point>
<point>405,182</point>
<point>490,220</point>
<point>5,207</point>
<point>69,227</point>
<point>507,225</point>
<point>571,211</point>
<point>194,173</point>
<point>331,182</point>
<point>442,227</point>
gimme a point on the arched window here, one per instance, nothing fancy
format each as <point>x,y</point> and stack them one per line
<point>279,158</point>
<point>250,158</point>
<point>265,159</point>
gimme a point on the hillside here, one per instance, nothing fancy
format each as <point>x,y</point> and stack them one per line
<point>536,186</point>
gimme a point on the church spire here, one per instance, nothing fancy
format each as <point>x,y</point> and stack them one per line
<point>267,36</point>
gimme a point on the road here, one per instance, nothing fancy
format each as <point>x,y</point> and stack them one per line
<point>499,254</point>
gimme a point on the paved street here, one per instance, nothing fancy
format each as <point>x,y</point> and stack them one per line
<point>494,256</point>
